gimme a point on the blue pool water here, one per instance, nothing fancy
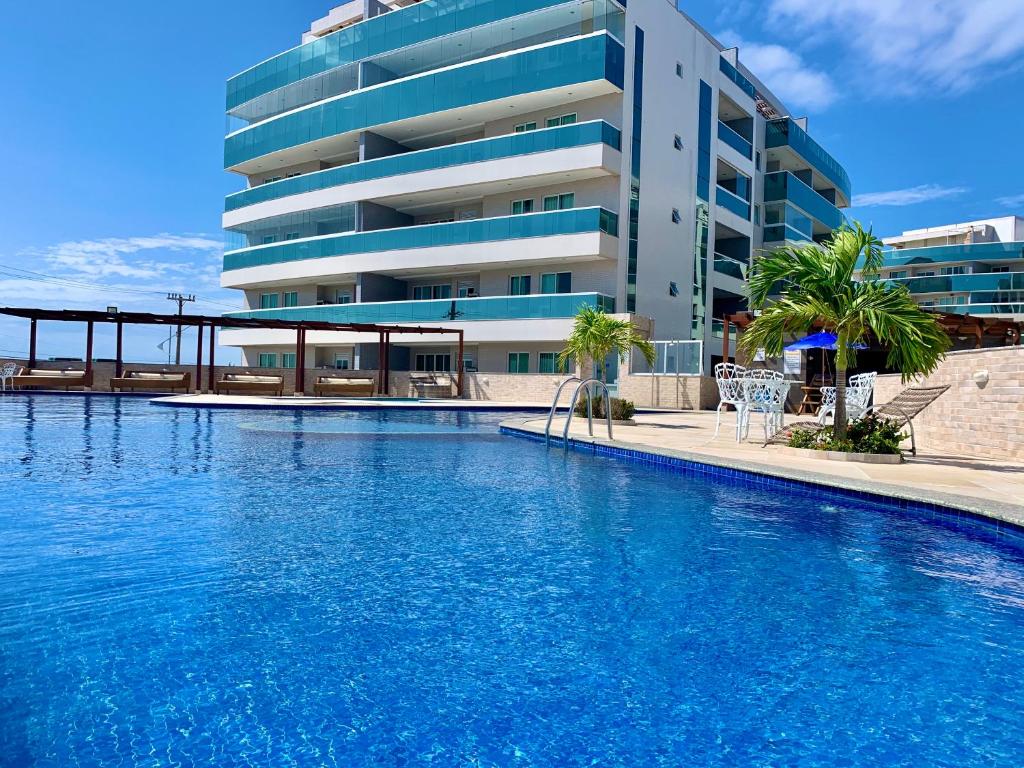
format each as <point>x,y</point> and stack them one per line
<point>182,587</point>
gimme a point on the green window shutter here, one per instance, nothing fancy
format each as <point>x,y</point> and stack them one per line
<point>549,283</point>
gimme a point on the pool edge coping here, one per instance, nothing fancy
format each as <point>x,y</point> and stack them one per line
<point>1000,515</point>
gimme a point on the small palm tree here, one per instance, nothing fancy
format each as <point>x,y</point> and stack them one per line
<point>596,335</point>
<point>818,288</point>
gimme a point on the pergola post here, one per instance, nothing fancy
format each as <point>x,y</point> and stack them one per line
<point>118,365</point>
<point>213,346</point>
<point>459,363</point>
<point>380,363</point>
<point>32,343</point>
<point>88,346</point>
<point>199,358</point>
<point>387,362</point>
<point>300,363</point>
<point>726,327</point>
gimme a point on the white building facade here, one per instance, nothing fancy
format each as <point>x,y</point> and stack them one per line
<point>494,165</point>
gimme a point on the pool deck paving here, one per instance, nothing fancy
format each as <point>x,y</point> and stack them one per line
<point>987,487</point>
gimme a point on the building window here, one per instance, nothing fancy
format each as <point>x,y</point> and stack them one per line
<point>429,362</point>
<point>633,245</point>
<point>960,270</point>
<point>757,215</point>
<point>268,301</point>
<point>344,297</point>
<point>927,273</point>
<point>518,362</point>
<point>342,362</point>
<point>560,202</point>
<point>549,363</point>
<point>554,122</point>
<point>673,288</point>
<point>556,282</point>
<point>293,175</point>
<point>898,275</point>
<point>1003,268</point>
<point>425,292</point>
<point>292,236</point>
<point>268,239</point>
<point>522,206</point>
<point>268,360</point>
<point>467,289</point>
<point>287,359</point>
<point>519,285</point>
<point>757,160</point>
<point>290,299</point>
<point>677,142</point>
<point>679,69</point>
<point>524,127</point>
<point>676,218</point>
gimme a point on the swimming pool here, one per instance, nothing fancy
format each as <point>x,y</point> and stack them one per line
<point>223,587</point>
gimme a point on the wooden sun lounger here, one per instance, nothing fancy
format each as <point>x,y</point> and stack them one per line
<point>344,386</point>
<point>902,409</point>
<point>37,377</point>
<point>250,384</point>
<point>431,384</point>
<point>151,380</point>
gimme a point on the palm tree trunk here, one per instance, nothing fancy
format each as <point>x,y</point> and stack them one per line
<point>840,417</point>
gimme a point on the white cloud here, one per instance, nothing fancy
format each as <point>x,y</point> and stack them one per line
<point>1011,201</point>
<point>787,75</point>
<point>912,46</point>
<point>923,193</point>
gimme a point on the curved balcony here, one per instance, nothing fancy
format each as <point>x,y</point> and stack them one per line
<point>945,254</point>
<point>981,281</point>
<point>534,306</point>
<point>786,133</point>
<point>504,228</point>
<point>596,59</point>
<point>449,156</point>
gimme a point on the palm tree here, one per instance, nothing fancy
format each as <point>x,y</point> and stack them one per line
<point>596,335</point>
<point>818,288</point>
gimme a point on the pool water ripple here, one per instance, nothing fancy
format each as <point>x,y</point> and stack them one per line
<point>179,588</point>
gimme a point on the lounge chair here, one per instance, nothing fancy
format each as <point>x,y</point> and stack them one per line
<point>344,386</point>
<point>903,409</point>
<point>62,379</point>
<point>250,384</point>
<point>431,385</point>
<point>151,380</point>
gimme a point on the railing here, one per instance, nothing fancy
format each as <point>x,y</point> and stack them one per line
<point>589,385</point>
<point>727,265</point>
<point>479,151</point>
<point>949,253</point>
<point>786,133</point>
<point>732,202</point>
<point>545,224</point>
<point>671,358</point>
<point>978,281</point>
<point>534,306</point>
<point>727,69</point>
<point>735,140</point>
<point>581,60</point>
<point>785,186</point>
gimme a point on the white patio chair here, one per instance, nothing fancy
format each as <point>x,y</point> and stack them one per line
<point>764,374</point>
<point>858,397</point>
<point>765,395</point>
<point>9,371</point>
<point>729,378</point>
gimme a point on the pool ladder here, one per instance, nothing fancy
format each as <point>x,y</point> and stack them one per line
<point>588,385</point>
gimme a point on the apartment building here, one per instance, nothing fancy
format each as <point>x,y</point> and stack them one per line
<point>495,165</point>
<point>976,267</point>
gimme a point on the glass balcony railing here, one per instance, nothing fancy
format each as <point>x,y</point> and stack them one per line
<point>951,253</point>
<point>482,150</point>
<point>984,281</point>
<point>785,133</point>
<point>382,34</point>
<point>737,77</point>
<point>732,202</point>
<point>581,60</point>
<point>547,224</point>
<point>981,308</point>
<point>776,234</point>
<point>734,140</point>
<point>727,265</point>
<point>535,306</point>
<point>784,186</point>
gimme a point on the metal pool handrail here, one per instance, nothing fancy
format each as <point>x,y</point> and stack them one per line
<point>554,405</point>
<point>589,384</point>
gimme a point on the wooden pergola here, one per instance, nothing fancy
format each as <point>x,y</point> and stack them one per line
<point>953,324</point>
<point>201,322</point>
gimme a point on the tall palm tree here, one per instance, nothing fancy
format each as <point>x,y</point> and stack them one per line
<point>596,335</point>
<point>818,288</point>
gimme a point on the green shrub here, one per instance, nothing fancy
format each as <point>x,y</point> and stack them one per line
<point>868,434</point>
<point>622,410</point>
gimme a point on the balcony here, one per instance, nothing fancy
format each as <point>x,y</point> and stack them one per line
<point>449,156</point>
<point>732,202</point>
<point>983,281</point>
<point>786,133</point>
<point>330,127</point>
<point>504,228</point>
<point>737,77</point>
<point>727,265</point>
<point>401,29</point>
<point>953,253</point>
<point>785,187</point>
<point>534,306</point>
<point>734,140</point>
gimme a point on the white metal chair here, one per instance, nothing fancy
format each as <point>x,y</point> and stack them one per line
<point>764,374</point>
<point>729,378</point>
<point>765,395</point>
<point>9,371</point>
<point>858,397</point>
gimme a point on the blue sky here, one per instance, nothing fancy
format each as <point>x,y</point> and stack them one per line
<point>113,128</point>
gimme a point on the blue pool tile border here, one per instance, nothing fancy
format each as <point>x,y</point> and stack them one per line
<point>957,517</point>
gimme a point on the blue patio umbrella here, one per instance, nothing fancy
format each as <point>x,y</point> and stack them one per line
<point>821,340</point>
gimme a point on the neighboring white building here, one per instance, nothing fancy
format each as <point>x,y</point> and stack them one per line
<point>976,267</point>
<point>496,164</point>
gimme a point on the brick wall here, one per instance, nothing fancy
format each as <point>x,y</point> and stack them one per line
<point>971,419</point>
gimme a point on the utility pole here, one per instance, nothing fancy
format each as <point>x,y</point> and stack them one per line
<point>181,299</point>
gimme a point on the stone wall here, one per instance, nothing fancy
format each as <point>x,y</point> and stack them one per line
<point>689,393</point>
<point>971,419</point>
